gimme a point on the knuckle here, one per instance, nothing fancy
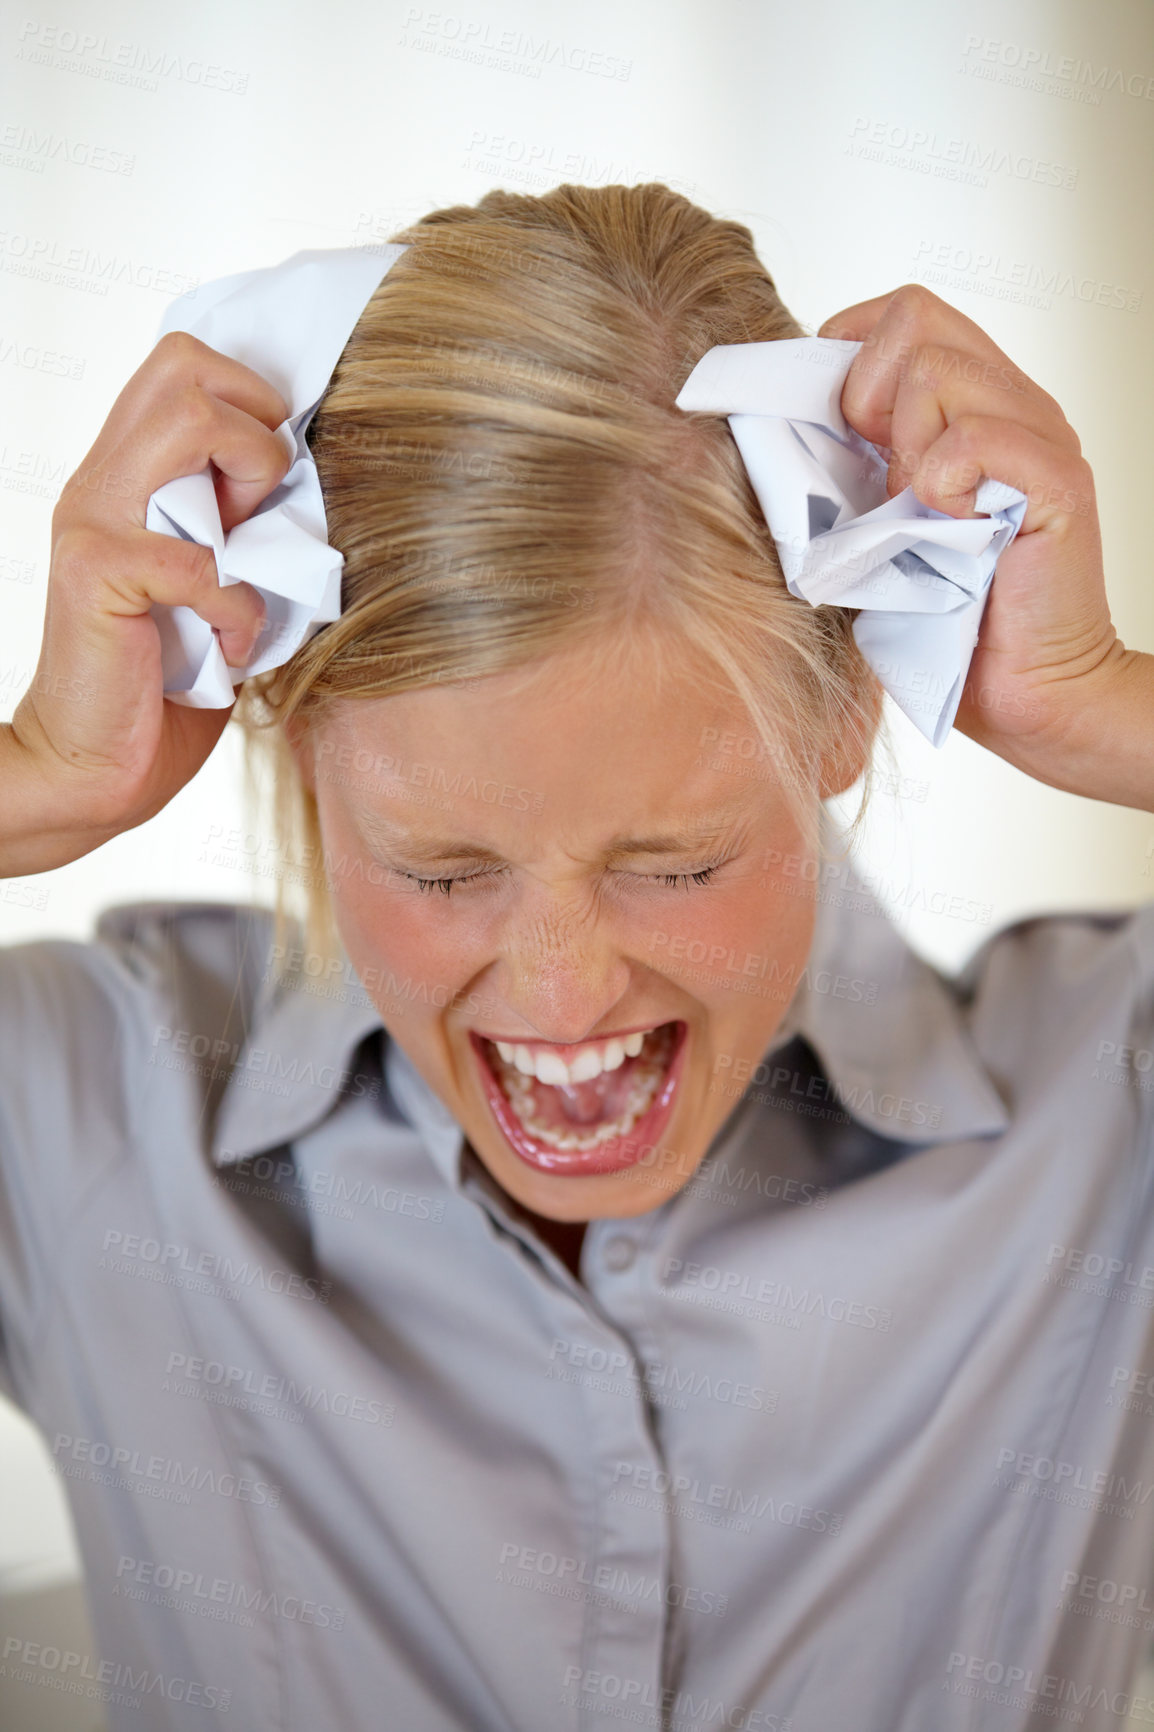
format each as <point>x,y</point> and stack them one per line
<point>915,302</point>
<point>65,505</point>
<point>196,410</point>
<point>79,549</point>
<point>191,560</point>
<point>186,566</point>
<point>929,362</point>
<point>966,431</point>
<point>1072,442</point>
<point>177,351</point>
<point>1046,401</point>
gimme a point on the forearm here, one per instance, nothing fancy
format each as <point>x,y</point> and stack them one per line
<point>1107,750</point>
<point>38,820</point>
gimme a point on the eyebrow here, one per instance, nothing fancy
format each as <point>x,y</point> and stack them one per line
<point>707,832</point>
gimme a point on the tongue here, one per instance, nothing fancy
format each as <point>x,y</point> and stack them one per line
<point>586,1103</point>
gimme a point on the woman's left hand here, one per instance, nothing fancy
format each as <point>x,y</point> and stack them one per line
<point>1051,688</point>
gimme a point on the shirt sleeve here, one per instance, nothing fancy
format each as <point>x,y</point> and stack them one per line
<point>66,1043</point>
<point>79,1022</point>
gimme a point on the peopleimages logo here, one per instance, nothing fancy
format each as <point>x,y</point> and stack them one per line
<point>988,56</point>
<point>133,63</point>
<point>803,1301</point>
<point>136,1253</point>
<point>225,1056</point>
<point>1022,1686</point>
<point>658,1378</point>
<point>107,1678</point>
<point>925,151</point>
<point>1049,1476</point>
<point>524,1566</point>
<point>685,1491</point>
<point>594,1691</point>
<point>724,959</point>
<point>236,1381</point>
<point>131,1470</point>
<point>210,1596</point>
<point>1106,1592</point>
<point>1111,1276</point>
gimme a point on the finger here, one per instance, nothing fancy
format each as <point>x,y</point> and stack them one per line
<point>942,384</point>
<point>893,324</point>
<point>179,360</point>
<point>853,324</point>
<point>179,436</point>
<point>914,320</point>
<point>101,579</point>
<point>917,341</point>
<point>1058,485</point>
<point>234,610</point>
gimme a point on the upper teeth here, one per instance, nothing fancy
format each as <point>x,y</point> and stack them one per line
<point>587,1062</point>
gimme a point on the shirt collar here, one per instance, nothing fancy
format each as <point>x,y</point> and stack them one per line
<point>300,1056</point>
<point>889,1030</point>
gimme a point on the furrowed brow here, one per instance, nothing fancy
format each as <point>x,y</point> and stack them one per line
<point>685,839</point>
<point>382,832</point>
<point>682,839</point>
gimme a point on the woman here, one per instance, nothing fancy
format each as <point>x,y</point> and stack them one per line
<point>594,1268</point>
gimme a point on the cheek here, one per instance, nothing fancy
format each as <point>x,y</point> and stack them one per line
<point>401,939</point>
<point>715,946</point>
<point>398,939</point>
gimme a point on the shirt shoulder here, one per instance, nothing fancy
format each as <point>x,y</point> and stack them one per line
<point>78,1021</point>
<point>1069,949</point>
<point>79,1017</point>
<point>1048,987</point>
<point>65,1001</point>
<point>199,956</point>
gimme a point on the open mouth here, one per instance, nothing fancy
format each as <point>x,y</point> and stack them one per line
<point>582,1124</point>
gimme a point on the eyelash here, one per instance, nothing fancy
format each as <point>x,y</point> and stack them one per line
<point>670,879</point>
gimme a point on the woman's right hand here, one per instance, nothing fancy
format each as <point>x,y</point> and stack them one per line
<point>93,748</point>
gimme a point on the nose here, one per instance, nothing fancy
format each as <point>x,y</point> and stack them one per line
<point>561,977</point>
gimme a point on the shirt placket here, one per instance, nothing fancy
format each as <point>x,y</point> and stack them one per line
<point>624,1575</point>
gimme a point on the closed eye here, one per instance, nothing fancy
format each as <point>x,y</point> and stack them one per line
<point>672,879</point>
<point>687,878</point>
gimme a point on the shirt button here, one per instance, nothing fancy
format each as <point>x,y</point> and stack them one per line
<point>618,1254</point>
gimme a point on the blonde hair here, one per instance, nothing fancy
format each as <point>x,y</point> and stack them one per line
<point>506,474</point>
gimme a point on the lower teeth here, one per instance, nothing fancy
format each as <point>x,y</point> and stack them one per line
<point>647,1077</point>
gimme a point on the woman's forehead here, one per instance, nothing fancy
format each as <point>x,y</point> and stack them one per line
<point>654,681</point>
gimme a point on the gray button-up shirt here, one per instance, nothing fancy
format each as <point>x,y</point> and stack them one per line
<point>857,1431</point>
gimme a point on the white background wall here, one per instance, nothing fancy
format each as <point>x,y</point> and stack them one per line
<point>144,149</point>
<point>865,147</point>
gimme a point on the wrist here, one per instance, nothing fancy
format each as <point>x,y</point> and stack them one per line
<point>1106,748</point>
<point>39,830</point>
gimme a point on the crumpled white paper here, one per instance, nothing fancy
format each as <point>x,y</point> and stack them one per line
<point>288,322</point>
<point>921,576</point>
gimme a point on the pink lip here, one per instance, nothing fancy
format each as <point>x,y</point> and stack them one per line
<point>614,1156</point>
